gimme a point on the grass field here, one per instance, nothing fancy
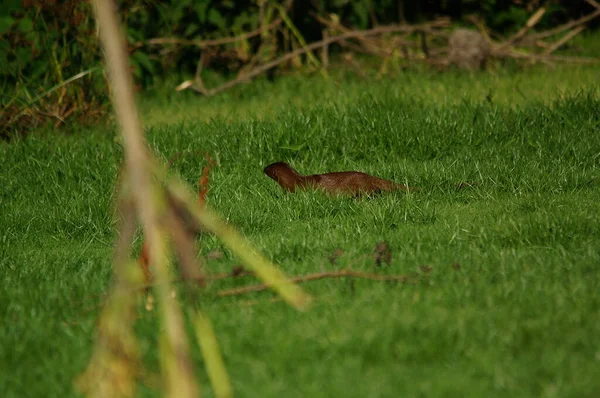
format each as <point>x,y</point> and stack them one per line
<point>510,307</point>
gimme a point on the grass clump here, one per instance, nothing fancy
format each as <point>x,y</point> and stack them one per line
<point>507,308</point>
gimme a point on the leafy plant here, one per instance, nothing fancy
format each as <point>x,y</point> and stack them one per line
<point>50,69</point>
<point>49,65</point>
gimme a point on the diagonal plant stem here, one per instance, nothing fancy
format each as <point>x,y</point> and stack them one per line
<point>162,207</point>
<point>147,198</point>
<point>64,83</point>
<point>531,22</point>
<point>116,352</point>
<point>564,39</point>
<point>210,350</point>
<point>263,268</point>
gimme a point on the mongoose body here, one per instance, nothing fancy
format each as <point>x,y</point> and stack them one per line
<point>339,182</point>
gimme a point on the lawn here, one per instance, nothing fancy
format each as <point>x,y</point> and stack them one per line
<point>501,244</point>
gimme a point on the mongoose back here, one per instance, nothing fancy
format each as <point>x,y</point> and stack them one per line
<point>339,182</point>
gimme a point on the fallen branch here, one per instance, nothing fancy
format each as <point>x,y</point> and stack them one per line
<point>531,22</point>
<point>569,25</point>
<point>553,58</point>
<point>563,40</point>
<point>314,277</point>
<point>425,43</point>
<point>200,88</point>
<point>240,272</point>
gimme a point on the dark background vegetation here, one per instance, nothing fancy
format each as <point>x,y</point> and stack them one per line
<point>44,43</point>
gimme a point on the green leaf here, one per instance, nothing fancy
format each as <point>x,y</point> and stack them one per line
<point>294,147</point>
<point>361,11</point>
<point>134,35</point>
<point>6,23</point>
<point>216,19</point>
<point>200,9</point>
<point>8,6</point>
<point>23,55</point>
<point>245,19</point>
<point>190,30</point>
<point>25,25</point>
<point>143,60</point>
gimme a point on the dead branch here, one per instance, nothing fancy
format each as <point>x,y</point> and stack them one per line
<point>531,22</point>
<point>238,273</point>
<point>200,88</point>
<point>569,25</point>
<point>593,3</point>
<point>428,42</point>
<point>317,276</point>
<point>565,39</point>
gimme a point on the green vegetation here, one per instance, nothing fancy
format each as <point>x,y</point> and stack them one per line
<point>262,99</point>
<point>518,315</point>
<point>50,61</point>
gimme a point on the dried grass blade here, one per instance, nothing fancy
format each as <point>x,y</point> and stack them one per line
<point>263,268</point>
<point>215,367</point>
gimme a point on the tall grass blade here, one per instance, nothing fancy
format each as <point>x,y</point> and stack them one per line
<point>263,268</point>
<point>215,367</point>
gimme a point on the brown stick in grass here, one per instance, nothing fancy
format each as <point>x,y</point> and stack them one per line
<point>317,276</point>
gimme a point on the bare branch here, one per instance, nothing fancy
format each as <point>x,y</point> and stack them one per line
<point>563,40</point>
<point>567,26</point>
<point>351,34</point>
<point>531,22</point>
<point>317,276</point>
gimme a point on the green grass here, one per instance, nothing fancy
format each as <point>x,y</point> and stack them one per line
<point>520,317</point>
<point>265,100</point>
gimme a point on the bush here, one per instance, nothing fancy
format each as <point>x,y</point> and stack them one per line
<point>50,64</point>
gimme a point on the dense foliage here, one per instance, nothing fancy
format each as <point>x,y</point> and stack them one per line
<point>50,61</point>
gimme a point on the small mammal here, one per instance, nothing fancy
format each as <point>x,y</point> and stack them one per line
<point>339,182</point>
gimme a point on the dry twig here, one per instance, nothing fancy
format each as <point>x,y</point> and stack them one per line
<point>394,41</point>
<point>565,39</point>
<point>199,87</point>
<point>531,22</point>
<point>317,276</point>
